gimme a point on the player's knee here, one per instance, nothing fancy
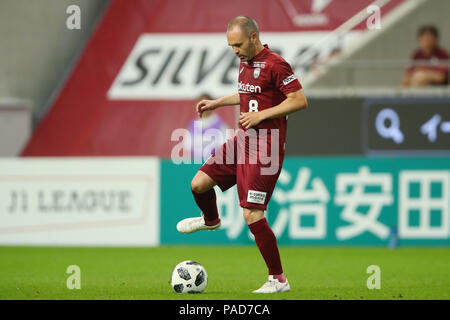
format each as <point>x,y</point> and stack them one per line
<point>252,215</point>
<point>247,216</point>
<point>196,186</point>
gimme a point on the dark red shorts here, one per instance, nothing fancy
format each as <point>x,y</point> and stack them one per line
<point>255,179</point>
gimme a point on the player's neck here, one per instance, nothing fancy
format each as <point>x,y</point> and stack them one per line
<point>259,48</point>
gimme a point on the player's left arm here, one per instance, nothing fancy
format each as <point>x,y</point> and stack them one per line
<point>295,101</point>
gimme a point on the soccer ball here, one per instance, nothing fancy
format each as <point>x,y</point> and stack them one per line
<point>189,277</point>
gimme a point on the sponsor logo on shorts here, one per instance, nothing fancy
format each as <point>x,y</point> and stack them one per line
<point>289,79</point>
<point>256,196</point>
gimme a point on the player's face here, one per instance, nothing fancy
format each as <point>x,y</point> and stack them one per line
<point>243,46</point>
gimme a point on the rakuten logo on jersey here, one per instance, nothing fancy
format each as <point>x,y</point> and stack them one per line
<point>183,66</point>
<point>248,88</point>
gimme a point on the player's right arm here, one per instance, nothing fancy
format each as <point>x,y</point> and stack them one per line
<point>205,105</point>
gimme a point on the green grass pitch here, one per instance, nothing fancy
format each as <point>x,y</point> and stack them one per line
<point>234,271</point>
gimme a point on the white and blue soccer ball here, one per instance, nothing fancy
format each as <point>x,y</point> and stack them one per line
<point>189,277</point>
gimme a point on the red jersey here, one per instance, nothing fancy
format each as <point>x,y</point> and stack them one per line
<point>438,56</point>
<point>263,83</point>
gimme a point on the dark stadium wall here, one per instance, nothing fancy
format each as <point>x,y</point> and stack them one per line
<point>91,117</point>
<point>351,126</point>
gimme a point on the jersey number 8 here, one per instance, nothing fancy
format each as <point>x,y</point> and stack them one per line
<point>253,106</point>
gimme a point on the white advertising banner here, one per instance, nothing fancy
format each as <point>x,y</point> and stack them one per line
<point>79,201</point>
<point>183,66</point>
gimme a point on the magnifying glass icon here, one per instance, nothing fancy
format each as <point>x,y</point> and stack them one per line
<point>393,130</point>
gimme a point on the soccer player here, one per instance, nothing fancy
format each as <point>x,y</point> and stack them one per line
<point>268,91</point>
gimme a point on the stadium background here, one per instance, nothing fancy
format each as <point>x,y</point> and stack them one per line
<point>86,118</point>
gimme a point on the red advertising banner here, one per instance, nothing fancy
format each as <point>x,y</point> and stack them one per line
<point>147,62</point>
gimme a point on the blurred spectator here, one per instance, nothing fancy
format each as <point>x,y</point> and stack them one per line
<point>434,59</point>
<point>201,143</point>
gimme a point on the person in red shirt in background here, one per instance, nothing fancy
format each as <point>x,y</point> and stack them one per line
<point>434,59</point>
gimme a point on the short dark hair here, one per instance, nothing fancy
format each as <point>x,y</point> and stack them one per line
<point>428,29</point>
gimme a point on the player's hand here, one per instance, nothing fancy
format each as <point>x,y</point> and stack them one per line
<point>205,105</point>
<point>250,119</point>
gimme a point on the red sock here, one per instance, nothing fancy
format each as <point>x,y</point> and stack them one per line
<point>267,244</point>
<point>280,277</point>
<point>207,203</point>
